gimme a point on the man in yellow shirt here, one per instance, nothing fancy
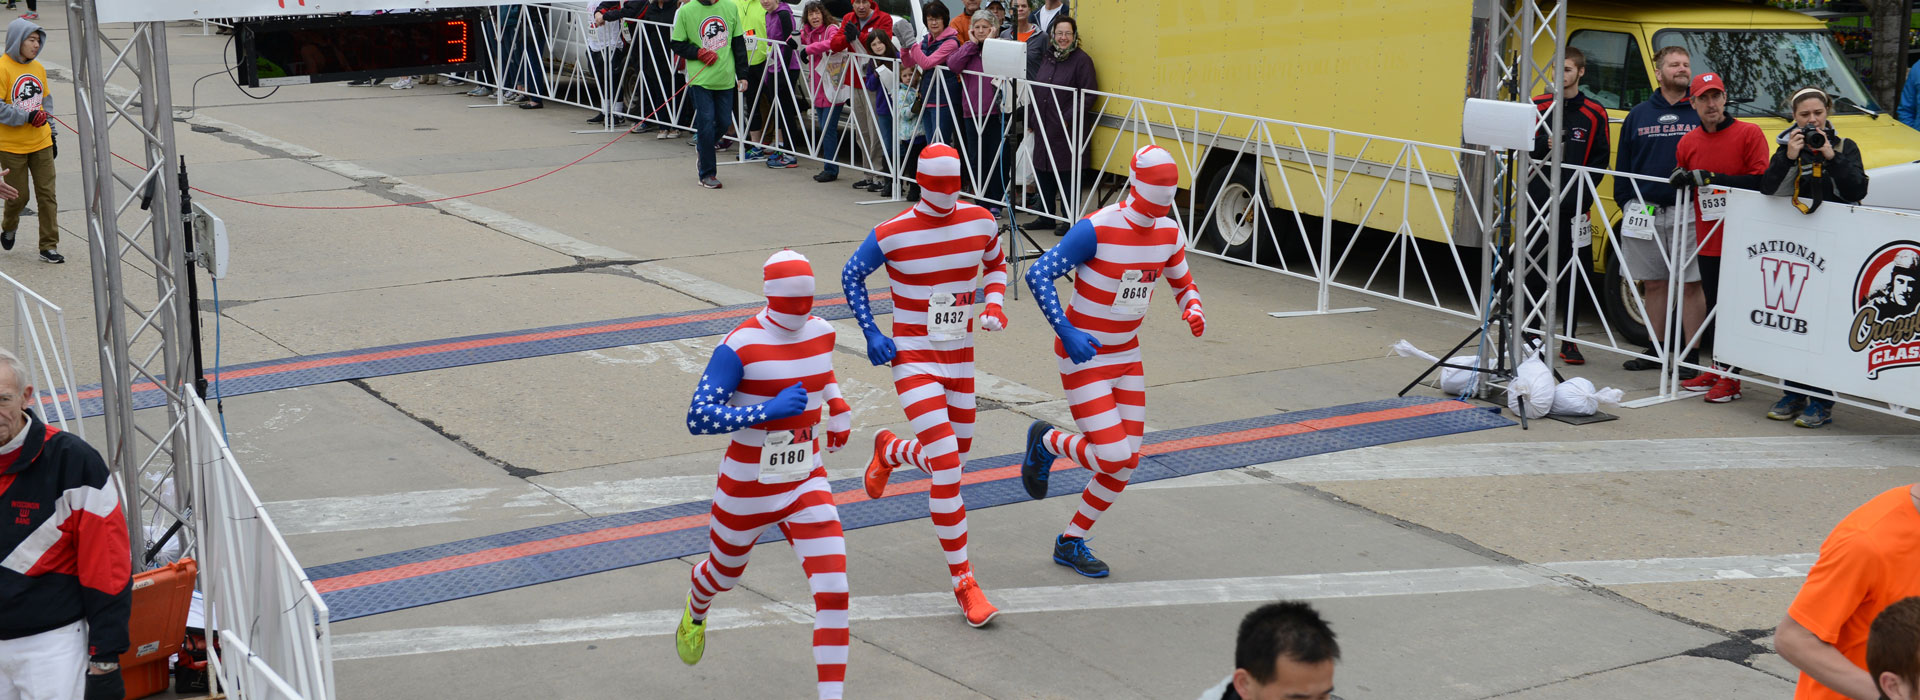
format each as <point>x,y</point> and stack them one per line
<point>26,137</point>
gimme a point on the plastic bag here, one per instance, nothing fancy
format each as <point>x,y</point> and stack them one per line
<point>1453,381</point>
<point>1577,397</point>
<point>1531,392</point>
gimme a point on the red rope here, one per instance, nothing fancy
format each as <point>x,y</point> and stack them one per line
<point>576,161</point>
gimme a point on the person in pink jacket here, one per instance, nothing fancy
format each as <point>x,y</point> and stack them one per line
<point>981,124</point>
<point>817,36</point>
<point>941,88</point>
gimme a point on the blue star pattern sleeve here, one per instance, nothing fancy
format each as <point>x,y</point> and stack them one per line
<point>709,413</point>
<point>853,281</point>
<point>1077,247</point>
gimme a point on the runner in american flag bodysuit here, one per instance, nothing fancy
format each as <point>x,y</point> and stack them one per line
<point>764,387</point>
<point>932,253</point>
<point>1116,255</point>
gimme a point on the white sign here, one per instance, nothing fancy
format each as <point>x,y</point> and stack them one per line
<point>1830,299</point>
<point>172,10</point>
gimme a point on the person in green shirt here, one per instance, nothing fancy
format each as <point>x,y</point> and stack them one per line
<point>753,19</point>
<point>708,34</point>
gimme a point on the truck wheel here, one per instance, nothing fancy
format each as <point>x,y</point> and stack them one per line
<point>1232,209</point>
<point>1623,316</point>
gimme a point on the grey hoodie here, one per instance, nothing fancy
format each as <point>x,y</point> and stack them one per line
<point>17,34</point>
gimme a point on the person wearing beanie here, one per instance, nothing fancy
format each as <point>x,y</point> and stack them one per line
<point>764,387</point>
<point>932,252</point>
<point>1116,254</point>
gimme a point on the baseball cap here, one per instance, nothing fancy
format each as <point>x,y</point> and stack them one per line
<point>1704,82</point>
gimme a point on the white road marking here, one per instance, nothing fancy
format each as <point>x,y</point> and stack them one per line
<point>1089,596</point>
<point>310,516</point>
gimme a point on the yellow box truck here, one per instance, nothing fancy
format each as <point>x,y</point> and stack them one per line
<point>1403,69</point>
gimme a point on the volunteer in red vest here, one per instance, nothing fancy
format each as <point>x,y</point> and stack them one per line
<point>932,253</point>
<point>1116,255</point>
<point>764,388</point>
<point>1724,152</point>
<point>66,567</point>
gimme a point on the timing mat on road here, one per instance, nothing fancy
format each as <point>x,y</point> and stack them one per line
<point>564,550</point>
<point>306,370</point>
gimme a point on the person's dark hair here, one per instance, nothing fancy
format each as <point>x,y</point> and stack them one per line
<point>1578,57</point>
<point>811,8</point>
<point>1066,20</point>
<point>1288,628</point>
<point>1893,642</point>
<point>936,8</point>
<point>887,49</point>
<point>1661,57</point>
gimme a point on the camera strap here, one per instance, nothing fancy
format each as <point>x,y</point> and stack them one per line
<point>1813,170</point>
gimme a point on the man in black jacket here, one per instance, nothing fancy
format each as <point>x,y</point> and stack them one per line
<point>65,561</point>
<point>1582,141</point>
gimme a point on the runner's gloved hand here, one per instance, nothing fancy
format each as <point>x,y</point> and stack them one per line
<point>880,348</point>
<point>1195,319</point>
<point>790,402</point>
<point>993,318</point>
<point>1080,346</point>
<point>839,425</point>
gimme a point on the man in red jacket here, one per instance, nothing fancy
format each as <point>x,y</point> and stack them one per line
<point>1724,152</point>
<point>66,566</point>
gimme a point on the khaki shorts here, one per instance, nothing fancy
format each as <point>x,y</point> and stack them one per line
<point>1645,259</point>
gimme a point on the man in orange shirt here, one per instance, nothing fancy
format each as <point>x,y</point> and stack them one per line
<point>1867,563</point>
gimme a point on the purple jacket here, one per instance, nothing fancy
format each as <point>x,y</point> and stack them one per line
<point>780,25</point>
<point>978,93</point>
<point>1056,97</point>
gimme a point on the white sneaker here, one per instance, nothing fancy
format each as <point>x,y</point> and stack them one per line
<point>403,84</point>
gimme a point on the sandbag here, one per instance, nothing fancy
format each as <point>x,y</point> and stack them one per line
<point>1458,382</point>
<point>1530,394</point>
<point>1577,397</point>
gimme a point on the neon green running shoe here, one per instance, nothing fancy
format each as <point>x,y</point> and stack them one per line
<point>691,638</point>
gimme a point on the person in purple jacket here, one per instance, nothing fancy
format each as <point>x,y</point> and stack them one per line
<point>980,121</point>
<point>783,81</point>
<point>1066,72</point>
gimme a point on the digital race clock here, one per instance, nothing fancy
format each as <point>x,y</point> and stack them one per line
<point>304,50</point>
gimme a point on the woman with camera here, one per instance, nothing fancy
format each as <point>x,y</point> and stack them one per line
<point>1813,165</point>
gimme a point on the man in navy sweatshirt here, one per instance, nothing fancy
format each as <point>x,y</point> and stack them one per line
<point>1650,220</point>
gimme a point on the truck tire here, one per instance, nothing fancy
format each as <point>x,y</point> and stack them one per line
<point>1623,316</point>
<point>1231,227</point>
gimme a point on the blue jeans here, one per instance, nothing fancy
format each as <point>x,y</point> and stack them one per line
<point>827,120</point>
<point>712,115</point>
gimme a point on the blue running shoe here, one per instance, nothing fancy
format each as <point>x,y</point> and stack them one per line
<point>1787,407</point>
<point>754,153</point>
<point>1073,552</point>
<point>1817,413</point>
<point>1037,466</point>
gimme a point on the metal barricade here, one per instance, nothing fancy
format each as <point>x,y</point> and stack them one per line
<point>40,341</point>
<point>271,622</point>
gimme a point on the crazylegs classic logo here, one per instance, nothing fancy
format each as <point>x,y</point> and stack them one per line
<point>1886,303</point>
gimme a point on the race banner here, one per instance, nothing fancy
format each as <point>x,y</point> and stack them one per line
<point>1830,299</point>
<point>174,10</point>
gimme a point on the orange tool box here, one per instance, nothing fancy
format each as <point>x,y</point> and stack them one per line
<point>161,597</point>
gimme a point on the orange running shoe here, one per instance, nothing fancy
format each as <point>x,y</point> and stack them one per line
<point>974,603</point>
<point>878,471</point>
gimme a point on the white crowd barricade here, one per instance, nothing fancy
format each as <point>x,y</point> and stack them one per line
<point>271,621</point>
<point>40,341</point>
